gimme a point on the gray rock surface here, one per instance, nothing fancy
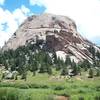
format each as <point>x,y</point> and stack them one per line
<point>59,33</point>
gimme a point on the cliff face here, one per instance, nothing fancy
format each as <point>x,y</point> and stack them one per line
<point>53,32</point>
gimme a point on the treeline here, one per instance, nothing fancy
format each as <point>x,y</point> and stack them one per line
<point>95,56</point>
<point>35,59</point>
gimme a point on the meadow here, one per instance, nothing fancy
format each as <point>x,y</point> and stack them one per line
<point>49,87</point>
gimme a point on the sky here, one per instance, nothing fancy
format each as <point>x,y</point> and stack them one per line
<point>86,14</point>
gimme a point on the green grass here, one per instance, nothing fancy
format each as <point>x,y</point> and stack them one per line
<point>44,87</point>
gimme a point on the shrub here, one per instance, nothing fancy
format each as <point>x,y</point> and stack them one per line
<point>97,98</point>
<point>81,91</point>
<point>44,86</point>
<point>2,94</point>
<point>97,88</point>
<point>65,94</point>
<point>28,98</point>
<point>59,88</point>
<point>81,98</point>
<point>22,86</point>
<point>12,95</point>
<point>8,94</point>
<point>6,85</point>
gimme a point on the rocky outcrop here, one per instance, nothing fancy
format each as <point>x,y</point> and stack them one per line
<point>56,32</point>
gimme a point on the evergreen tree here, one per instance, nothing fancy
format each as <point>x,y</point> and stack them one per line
<point>16,77</point>
<point>24,72</point>
<point>92,50</point>
<point>42,68</point>
<point>90,73</point>
<point>85,64</point>
<point>98,55</point>
<point>24,76</point>
<point>97,72</point>
<point>64,71</point>
<point>68,61</point>
<point>97,63</point>
<point>31,59</point>
<point>49,70</point>
<point>34,67</point>
<point>59,64</point>
<point>1,59</point>
<point>20,63</point>
<point>79,69</point>
<point>47,59</point>
<point>5,63</point>
<point>74,67</point>
<point>54,58</point>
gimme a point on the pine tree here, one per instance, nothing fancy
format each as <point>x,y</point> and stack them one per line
<point>24,73</point>
<point>1,59</point>
<point>59,64</point>
<point>90,73</point>
<point>34,67</point>
<point>74,67</point>
<point>98,55</point>
<point>5,63</point>
<point>85,64</point>
<point>79,69</point>
<point>97,72</point>
<point>49,70</point>
<point>16,77</point>
<point>67,61</point>
<point>64,71</point>
<point>92,51</point>
<point>42,68</point>
<point>54,57</point>
<point>24,76</point>
<point>47,59</point>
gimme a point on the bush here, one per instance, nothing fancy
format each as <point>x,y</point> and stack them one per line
<point>81,91</point>
<point>2,94</point>
<point>97,88</point>
<point>44,86</point>
<point>65,94</point>
<point>6,85</point>
<point>81,98</point>
<point>97,98</point>
<point>59,88</point>
<point>22,86</point>
<point>28,98</point>
<point>8,94</point>
<point>12,95</point>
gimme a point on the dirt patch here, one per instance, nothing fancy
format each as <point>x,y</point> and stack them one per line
<point>61,98</point>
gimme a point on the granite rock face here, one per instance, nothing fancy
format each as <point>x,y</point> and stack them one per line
<point>56,32</point>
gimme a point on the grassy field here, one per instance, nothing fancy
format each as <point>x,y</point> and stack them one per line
<point>45,87</point>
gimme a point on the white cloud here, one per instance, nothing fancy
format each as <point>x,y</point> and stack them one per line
<point>12,20</point>
<point>24,9</point>
<point>86,13</point>
<point>2,2</point>
<point>38,2</point>
<point>20,14</point>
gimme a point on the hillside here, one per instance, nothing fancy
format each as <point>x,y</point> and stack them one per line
<point>52,33</point>
<point>47,59</point>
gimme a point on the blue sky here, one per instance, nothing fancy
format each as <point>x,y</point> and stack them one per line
<point>86,14</point>
<point>12,5</point>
